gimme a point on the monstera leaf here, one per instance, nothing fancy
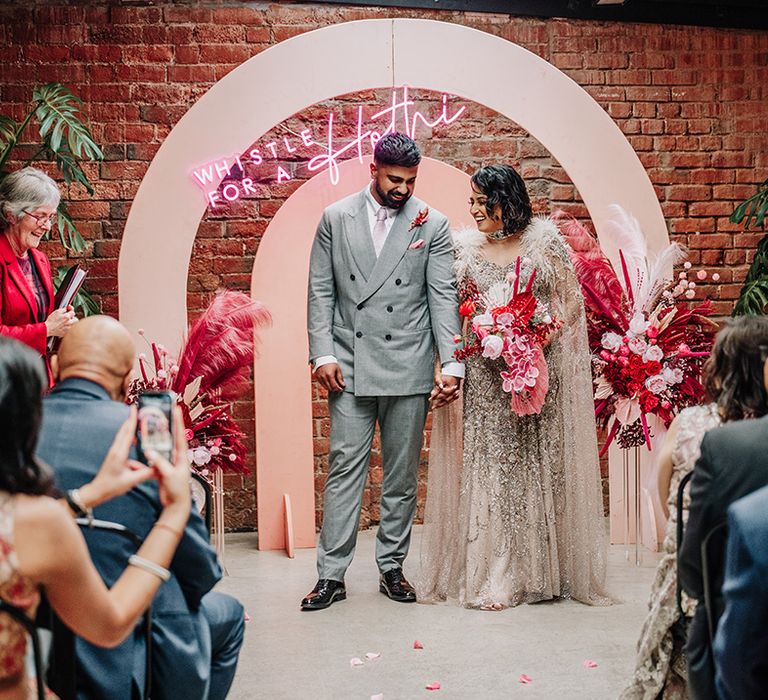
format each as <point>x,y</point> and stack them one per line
<point>753,298</point>
<point>753,209</point>
<point>61,126</point>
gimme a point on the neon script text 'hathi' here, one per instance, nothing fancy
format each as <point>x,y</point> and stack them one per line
<point>399,116</point>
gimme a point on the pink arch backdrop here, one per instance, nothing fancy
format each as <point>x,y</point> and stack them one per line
<point>334,60</point>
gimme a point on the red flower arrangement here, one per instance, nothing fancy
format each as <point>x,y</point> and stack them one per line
<point>648,344</point>
<point>209,373</point>
<point>515,326</point>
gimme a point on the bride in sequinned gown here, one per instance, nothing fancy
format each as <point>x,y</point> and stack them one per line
<point>514,508</point>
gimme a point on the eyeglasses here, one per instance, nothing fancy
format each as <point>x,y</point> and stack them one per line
<point>43,220</point>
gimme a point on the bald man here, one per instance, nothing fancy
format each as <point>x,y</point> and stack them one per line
<point>196,633</point>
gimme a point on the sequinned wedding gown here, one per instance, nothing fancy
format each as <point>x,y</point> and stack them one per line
<point>514,508</point>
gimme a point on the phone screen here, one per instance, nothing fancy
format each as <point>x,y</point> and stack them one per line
<point>154,428</point>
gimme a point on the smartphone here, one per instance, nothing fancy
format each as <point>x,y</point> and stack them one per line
<point>154,428</point>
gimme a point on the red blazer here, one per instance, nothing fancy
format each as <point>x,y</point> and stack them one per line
<point>18,306</point>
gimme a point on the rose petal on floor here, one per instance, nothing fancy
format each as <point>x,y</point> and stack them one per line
<point>372,656</point>
<point>378,696</point>
<point>417,644</point>
<point>588,663</point>
<point>354,661</point>
<point>525,680</point>
<point>433,686</point>
<point>247,617</point>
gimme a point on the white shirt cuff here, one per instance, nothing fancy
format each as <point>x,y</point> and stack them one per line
<point>453,369</point>
<point>324,360</point>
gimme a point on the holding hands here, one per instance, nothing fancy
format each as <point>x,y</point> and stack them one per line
<point>447,390</point>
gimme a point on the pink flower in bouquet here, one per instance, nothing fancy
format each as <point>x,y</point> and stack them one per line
<point>656,384</point>
<point>492,346</point>
<point>672,375</point>
<point>653,354</point>
<point>505,320</point>
<point>638,324</point>
<point>637,345</point>
<point>611,341</point>
<point>481,320</point>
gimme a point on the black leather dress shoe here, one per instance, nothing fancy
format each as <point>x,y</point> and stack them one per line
<point>395,586</point>
<point>325,593</point>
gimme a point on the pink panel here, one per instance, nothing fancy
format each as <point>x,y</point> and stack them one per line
<point>284,456</point>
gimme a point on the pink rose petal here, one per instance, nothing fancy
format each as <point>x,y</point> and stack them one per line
<point>588,663</point>
<point>525,680</point>
<point>372,656</point>
<point>378,696</point>
<point>355,661</point>
<point>433,686</point>
<point>417,644</point>
<point>247,617</point>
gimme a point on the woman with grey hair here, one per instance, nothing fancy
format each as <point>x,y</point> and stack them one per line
<point>28,203</point>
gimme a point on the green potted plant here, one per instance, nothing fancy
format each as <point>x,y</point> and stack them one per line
<point>753,297</point>
<point>65,138</point>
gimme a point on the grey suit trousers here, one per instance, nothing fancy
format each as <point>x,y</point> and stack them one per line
<point>353,419</point>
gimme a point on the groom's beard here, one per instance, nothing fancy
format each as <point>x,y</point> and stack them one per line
<point>388,200</point>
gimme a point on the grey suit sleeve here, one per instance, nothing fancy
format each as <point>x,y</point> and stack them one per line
<point>321,297</point>
<point>741,644</point>
<point>699,522</point>
<point>441,293</point>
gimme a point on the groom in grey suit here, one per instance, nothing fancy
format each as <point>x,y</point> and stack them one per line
<point>382,299</point>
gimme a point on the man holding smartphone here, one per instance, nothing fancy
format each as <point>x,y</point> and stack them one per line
<point>196,632</point>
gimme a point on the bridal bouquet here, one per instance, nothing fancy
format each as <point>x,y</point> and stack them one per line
<point>515,326</point>
<point>209,372</point>
<point>648,342</point>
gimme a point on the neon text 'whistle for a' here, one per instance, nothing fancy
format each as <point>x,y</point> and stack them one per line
<point>399,116</point>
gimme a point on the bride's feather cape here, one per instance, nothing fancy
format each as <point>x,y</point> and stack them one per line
<point>541,241</point>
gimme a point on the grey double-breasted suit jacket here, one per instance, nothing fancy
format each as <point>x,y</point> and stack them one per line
<point>382,318</point>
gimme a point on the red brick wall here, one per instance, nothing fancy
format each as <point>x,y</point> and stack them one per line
<point>692,101</point>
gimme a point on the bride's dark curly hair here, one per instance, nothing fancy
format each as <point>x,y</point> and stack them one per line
<point>733,373</point>
<point>22,381</point>
<point>503,186</point>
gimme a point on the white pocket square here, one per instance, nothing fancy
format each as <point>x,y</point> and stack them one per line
<point>416,244</point>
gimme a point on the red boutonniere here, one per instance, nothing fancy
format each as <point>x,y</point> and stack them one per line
<point>421,218</point>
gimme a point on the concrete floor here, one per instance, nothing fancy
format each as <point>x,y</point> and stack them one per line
<point>294,655</point>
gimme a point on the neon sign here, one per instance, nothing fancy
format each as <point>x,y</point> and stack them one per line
<point>400,115</point>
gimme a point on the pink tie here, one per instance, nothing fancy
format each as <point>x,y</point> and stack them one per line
<point>380,230</point>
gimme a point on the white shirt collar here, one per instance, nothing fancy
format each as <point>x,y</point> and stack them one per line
<point>374,206</point>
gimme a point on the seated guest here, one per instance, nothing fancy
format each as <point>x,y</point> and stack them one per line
<point>741,644</point>
<point>40,545</point>
<point>196,633</point>
<point>732,377</point>
<point>733,463</point>
<point>28,203</point>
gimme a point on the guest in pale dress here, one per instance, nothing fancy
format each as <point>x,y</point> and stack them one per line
<point>733,378</point>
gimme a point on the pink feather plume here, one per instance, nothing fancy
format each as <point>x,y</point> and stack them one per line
<point>220,346</point>
<point>593,269</point>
